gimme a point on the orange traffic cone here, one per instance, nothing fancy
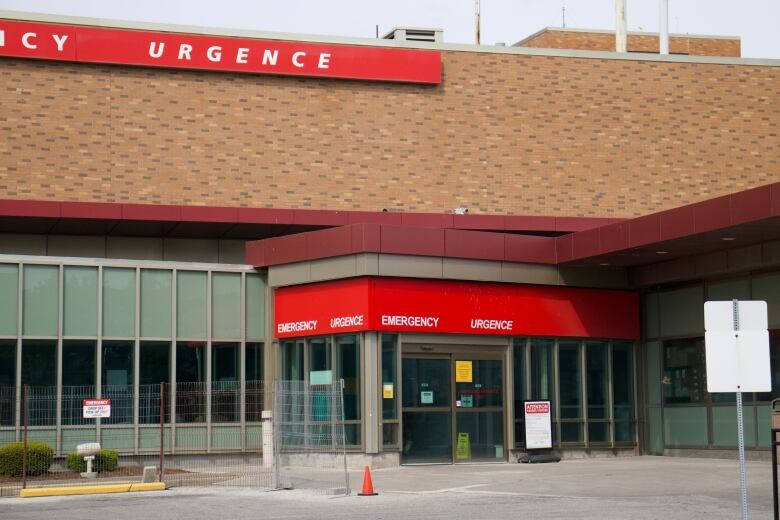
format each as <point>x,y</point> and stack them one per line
<point>368,486</point>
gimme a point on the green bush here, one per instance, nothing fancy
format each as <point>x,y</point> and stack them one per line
<point>39,458</point>
<point>106,460</point>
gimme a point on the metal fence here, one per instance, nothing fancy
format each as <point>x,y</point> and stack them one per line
<point>309,441</point>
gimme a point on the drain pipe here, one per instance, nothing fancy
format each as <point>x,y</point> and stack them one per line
<point>620,31</point>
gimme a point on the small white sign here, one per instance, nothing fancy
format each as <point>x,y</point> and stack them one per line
<point>94,408</point>
<point>737,358</point>
<point>426,397</point>
<point>538,425</point>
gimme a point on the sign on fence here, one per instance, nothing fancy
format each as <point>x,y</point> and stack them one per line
<point>94,408</point>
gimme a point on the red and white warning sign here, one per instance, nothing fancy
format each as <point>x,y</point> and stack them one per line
<point>538,425</point>
<point>94,408</point>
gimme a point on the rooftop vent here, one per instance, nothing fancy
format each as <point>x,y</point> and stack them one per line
<point>415,34</point>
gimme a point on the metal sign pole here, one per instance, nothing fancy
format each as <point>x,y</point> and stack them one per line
<point>740,426</point>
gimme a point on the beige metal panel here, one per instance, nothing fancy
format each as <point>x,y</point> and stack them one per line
<point>452,339</point>
<point>333,268</point>
<point>289,274</point>
<point>134,248</point>
<point>411,266</point>
<point>367,264</point>
<point>745,257</point>
<point>370,379</point>
<point>771,253</point>
<point>462,269</point>
<point>530,273</point>
<point>190,250</point>
<point>231,251</point>
<point>614,278</point>
<point>711,263</point>
<point>73,245</point>
<point>22,244</point>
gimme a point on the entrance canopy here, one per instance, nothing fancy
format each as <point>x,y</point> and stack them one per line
<point>459,307</point>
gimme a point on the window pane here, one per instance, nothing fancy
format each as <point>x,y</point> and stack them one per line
<point>320,372</point>
<point>40,300</point>
<point>7,382</point>
<point>39,370</point>
<point>292,360</point>
<point>570,379</point>
<point>684,371</point>
<point>226,305</point>
<point>571,431</point>
<point>596,362</point>
<point>190,381</point>
<point>774,364</point>
<point>542,380</point>
<point>155,368</point>
<point>255,306</point>
<point>118,302</point>
<point>254,381</point>
<point>78,378</point>
<point>389,376</point>
<point>80,306</point>
<point>225,386</point>
<point>156,303</point>
<point>623,380</point>
<point>9,295</point>
<point>117,378</point>
<point>485,389</point>
<point>191,304</point>
<point>254,362</point>
<point>598,432</point>
<point>348,367</point>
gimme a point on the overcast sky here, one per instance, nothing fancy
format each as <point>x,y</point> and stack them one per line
<point>756,21</point>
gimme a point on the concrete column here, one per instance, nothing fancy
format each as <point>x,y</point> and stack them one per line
<point>371,418</point>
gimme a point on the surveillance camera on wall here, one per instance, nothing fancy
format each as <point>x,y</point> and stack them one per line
<point>460,210</point>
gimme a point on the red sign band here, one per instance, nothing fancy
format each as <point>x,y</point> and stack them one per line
<point>437,306</point>
<point>188,51</point>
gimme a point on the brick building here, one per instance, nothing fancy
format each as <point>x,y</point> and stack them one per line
<point>224,223</point>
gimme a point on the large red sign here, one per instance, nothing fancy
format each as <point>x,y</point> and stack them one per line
<point>437,306</point>
<point>189,51</point>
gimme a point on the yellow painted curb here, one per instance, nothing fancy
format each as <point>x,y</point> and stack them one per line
<point>91,490</point>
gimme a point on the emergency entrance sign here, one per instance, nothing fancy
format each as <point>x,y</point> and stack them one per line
<point>538,425</point>
<point>95,408</point>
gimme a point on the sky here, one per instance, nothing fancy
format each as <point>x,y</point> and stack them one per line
<point>757,22</point>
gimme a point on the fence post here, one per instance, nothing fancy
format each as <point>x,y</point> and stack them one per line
<point>162,429</point>
<point>774,444</point>
<point>25,420</point>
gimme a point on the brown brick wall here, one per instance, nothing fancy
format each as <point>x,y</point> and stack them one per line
<point>600,41</point>
<point>507,134</point>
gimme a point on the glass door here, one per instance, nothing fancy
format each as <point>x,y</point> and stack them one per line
<point>479,410</point>
<point>427,410</point>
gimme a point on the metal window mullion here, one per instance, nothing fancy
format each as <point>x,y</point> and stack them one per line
<point>137,362</point>
<point>58,376</point>
<point>528,375</point>
<point>584,389</point>
<point>509,395</point>
<point>172,347</point>
<point>209,280</point>
<point>610,397</point>
<point>242,364</point>
<point>635,396</point>
<point>556,391</point>
<point>99,348</point>
<point>19,324</point>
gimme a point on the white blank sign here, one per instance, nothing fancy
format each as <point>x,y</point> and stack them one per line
<point>737,359</point>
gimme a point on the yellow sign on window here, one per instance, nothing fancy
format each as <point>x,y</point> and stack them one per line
<point>463,372</point>
<point>463,450</point>
<point>387,390</point>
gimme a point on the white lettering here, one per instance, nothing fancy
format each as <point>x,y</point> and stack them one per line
<point>346,321</point>
<point>184,51</point>
<point>26,40</point>
<point>156,53</point>
<point>2,38</point>
<point>492,324</point>
<point>324,62</point>
<point>296,326</point>
<point>241,55</point>
<point>295,57</point>
<point>410,321</point>
<point>60,40</point>
<point>214,53</point>
<point>270,57</point>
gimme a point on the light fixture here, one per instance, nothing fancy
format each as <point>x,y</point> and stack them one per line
<point>662,252</point>
<point>728,239</point>
<point>604,264</point>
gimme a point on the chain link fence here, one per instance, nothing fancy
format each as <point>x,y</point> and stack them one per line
<point>309,440</point>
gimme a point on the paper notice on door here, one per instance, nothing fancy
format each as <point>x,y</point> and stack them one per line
<point>387,391</point>
<point>463,372</point>
<point>463,449</point>
<point>426,397</point>
<point>467,401</point>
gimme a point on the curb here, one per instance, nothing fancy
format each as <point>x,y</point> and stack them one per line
<point>91,490</point>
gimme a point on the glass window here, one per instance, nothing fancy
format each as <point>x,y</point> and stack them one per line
<point>9,295</point>
<point>155,368</point>
<point>485,390</point>
<point>226,305</point>
<point>39,370</point>
<point>254,381</point>
<point>41,300</point>
<point>623,391</point>
<point>292,360</point>
<point>78,378</point>
<point>7,381</point>
<point>190,381</point>
<point>542,376</point>
<point>80,306</point>
<point>156,303</point>
<point>225,386</point>
<point>570,391</point>
<point>348,367</point>
<point>255,306</point>
<point>389,376</point>
<point>191,295</point>
<point>774,363</point>
<point>684,371</point>
<point>320,372</point>
<point>597,380</point>
<point>117,378</point>
<point>118,302</point>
